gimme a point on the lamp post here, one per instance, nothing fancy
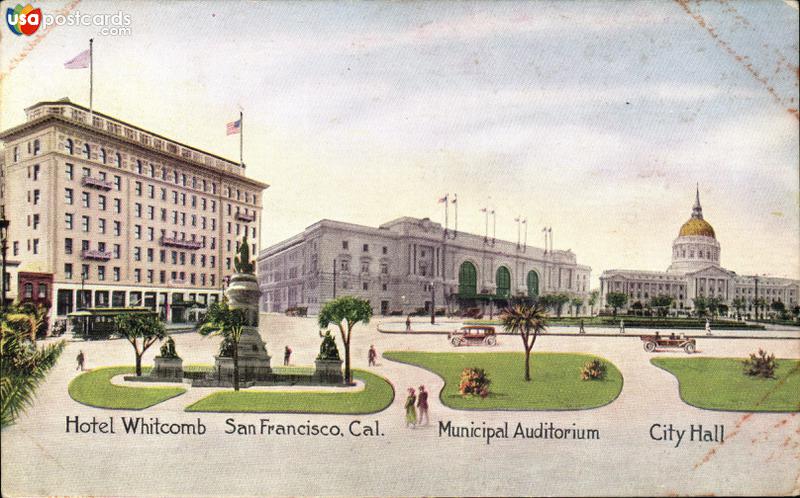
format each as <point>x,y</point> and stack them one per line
<point>433,303</point>
<point>4,248</point>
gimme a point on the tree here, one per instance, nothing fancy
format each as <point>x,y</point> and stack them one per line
<point>594,296</point>
<point>713,304</point>
<point>576,303</point>
<point>23,366</point>
<point>662,303</point>
<point>778,307</point>
<point>739,304</point>
<point>528,322</point>
<point>345,312</point>
<point>700,305</point>
<point>760,303</point>
<point>226,322</point>
<point>29,318</point>
<point>558,302</point>
<point>616,300</point>
<point>145,326</point>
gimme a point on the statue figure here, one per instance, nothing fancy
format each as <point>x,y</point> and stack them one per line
<point>168,349</point>
<point>328,349</point>
<point>242,262</point>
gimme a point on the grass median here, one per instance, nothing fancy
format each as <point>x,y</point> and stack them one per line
<point>94,388</point>
<point>555,380</point>
<point>377,394</point>
<point>720,384</point>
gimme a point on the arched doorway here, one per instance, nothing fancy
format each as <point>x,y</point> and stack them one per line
<point>503,281</point>
<point>533,284</point>
<point>467,279</point>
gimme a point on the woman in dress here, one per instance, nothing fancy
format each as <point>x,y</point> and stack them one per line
<point>411,411</point>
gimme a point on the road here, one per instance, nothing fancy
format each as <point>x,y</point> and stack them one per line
<point>760,454</point>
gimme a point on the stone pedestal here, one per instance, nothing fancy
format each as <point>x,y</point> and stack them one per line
<point>254,361</point>
<point>167,368</point>
<point>328,371</point>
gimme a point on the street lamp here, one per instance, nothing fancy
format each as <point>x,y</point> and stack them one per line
<point>4,248</point>
<point>433,303</point>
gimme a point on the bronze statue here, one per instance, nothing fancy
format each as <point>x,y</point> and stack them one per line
<point>242,262</point>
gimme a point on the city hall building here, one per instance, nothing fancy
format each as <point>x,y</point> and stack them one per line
<point>696,272</point>
<point>104,213</point>
<point>407,264</point>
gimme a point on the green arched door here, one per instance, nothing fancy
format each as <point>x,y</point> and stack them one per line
<point>467,279</point>
<point>533,284</point>
<point>503,281</point>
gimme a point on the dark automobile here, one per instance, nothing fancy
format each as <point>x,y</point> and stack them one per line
<point>473,335</point>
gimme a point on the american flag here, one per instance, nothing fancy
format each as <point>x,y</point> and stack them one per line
<point>443,199</point>
<point>234,127</point>
<point>80,61</point>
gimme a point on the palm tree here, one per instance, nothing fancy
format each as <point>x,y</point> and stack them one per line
<point>527,321</point>
<point>23,367</point>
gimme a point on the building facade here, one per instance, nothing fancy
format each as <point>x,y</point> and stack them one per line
<point>408,264</point>
<point>696,272</point>
<point>111,214</point>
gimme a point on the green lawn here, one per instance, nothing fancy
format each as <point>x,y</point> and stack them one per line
<point>555,384</point>
<point>376,396</point>
<point>94,388</point>
<point>720,384</point>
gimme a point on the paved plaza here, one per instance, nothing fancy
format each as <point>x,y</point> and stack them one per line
<point>39,458</point>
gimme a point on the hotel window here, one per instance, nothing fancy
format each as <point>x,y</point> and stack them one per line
<point>212,261</point>
<point>103,156</point>
<point>137,275</point>
<point>35,221</point>
<point>183,179</point>
<point>138,188</point>
<point>137,231</point>
<point>228,244</point>
<point>85,271</point>
<point>365,267</point>
<point>28,290</point>
<point>138,167</point>
<point>101,202</point>
<point>174,257</point>
<point>137,253</point>
<point>213,223</point>
<point>35,246</point>
<point>67,221</point>
<point>194,201</point>
<point>213,206</point>
<point>175,177</point>
<point>162,276</point>
<point>163,194</point>
<point>102,175</point>
<point>151,212</point>
<point>149,276</point>
<point>118,206</point>
<point>36,147</point>
<point>365,248</point>
<point>36,196</point>
<point>150,234</point>
<point>68,246</point>
<point>137,209</point>
<point>68,271</point>
<point>117,251</point>
<point>152,171</point>
<point>151,192</point>
<point>87,151</point>
<point>101,225</point>
<point>35,172</point>
<point>228,263</point>
<point>183,199</point>
<point>175,197</point>
<point>164,173</point>
<point>345,244</point>
<point>384,269</point>
<point>68,195</point>
<point>212,279</point>
<point>345,266</point>
<point>85,223</point>
<point>229,227</point>
<point>117,182</point>
<point>229,209</point>
<point>69,146</point>
<point>117,228</point>
<point>101,273</point>
<point>365,285</point>
<point>162,256</point>
<point>150,254</point>
<point>68,169</point>
<point>116,273</point>
<point>117,160</point>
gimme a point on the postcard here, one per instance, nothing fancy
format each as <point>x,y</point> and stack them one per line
<point>542,248</point>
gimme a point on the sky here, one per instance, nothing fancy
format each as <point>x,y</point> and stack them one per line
<point>594,118</point>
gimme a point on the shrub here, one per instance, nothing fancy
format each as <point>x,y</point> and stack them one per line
<point>761,364</point>
<point>593,370</point>
<point>474,382</point>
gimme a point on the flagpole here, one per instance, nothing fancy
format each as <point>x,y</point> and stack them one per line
<point>241,137</point>
<point>446,209</point>
<point>91,80</point>
<point>455,228</point>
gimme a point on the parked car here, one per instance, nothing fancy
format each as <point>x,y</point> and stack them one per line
<point>651,342</point>
<point>473,335</point>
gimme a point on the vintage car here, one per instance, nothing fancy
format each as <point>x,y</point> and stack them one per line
<point>473,335</point>
<point>651,342</point>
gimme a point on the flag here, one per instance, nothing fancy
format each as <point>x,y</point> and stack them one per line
<point>443,199</point>
<point>80,61</point>
<point>234,127</point>
<point>524,220</point>
<point>455,199</point>
<point>516,219</point>
<point>483,210</point>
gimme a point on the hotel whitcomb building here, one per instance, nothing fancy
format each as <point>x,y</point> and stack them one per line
<point>103,213</point>
<point>409,263</point>
<point>695,271</point>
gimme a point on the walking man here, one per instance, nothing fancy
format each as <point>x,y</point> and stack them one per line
<point>411,411</point>
<point>81,359</point>
<point>708,327</point>
<point>287,353</point>
<point>422,405</point>
<point>582,330</point>
<point>408,323</point>
<point>372,355</point>
<point>622,326</point>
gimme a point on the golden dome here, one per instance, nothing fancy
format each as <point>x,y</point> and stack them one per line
<point>697,227</point>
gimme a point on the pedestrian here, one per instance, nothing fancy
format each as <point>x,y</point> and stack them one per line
<point>81,359</point>
<point>422,405</point>
<point>287,353</point>
<point>372,355</point>
<point>408,323</point>
<point>708,327</point>
<point>582,330</point>
<point>411,411</point>
<point>622,326</point>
